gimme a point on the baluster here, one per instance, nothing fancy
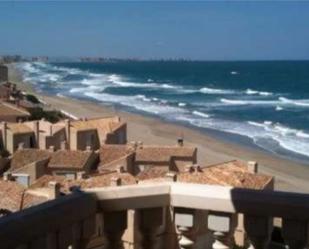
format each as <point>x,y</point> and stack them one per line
<point>87,231</point>
<point>295,233</point>
<point>151,219</point>
<point>115,224</point>
<point>222,226</point>
<point>258,229</point>
<point>186,227</point>
<point>51,241</point>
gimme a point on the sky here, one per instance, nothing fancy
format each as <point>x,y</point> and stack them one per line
<point>150,30</point>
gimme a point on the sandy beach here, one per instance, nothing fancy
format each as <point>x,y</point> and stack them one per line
<point>289,175</point>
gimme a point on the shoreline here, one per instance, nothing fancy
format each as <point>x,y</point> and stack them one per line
<point>289,175</point>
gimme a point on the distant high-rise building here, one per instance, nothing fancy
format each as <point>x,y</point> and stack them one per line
<point>4,73</point>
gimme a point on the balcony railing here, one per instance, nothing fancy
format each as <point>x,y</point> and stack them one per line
<point>190,210</point>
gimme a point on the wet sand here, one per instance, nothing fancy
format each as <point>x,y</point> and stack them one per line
<point>289,175</point>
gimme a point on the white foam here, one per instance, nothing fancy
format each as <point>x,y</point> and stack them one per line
<point>233,102</point>
<point>234,72</point>
<point>201,114</point>
<point>288,138</point>
<point>255,92</point>
<point>248,102</point>
<point>138,102</point>
<point>182,104</point>
<point>119,81</point>
<point>279,108</point>
<point>208,90</point>
<point>298,102</point>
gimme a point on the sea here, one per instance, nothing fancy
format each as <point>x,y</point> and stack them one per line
<point>264,104</point>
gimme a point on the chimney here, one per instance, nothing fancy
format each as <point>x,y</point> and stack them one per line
<point>140,144</point>
<point>81,175</point>
<point>54,190</point>
<point>180,141</point>
<point>63,145</point>
<point>7,176</point>
<point>197,168</point>
<point>171,177</point>
<point>68,131</point>
<point>51,148</point>
<point>133,144</point>
<point>115,181</point>
<point>51,130</point>
<point>17,102</point>
<point>189,168</point>
<point>120,169</point>
<point>36,129</point>
<point>20,146</point>
<point>252,167</point>
<point>4,127</point>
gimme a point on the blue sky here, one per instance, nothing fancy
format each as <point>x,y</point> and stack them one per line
<point>195,30</point>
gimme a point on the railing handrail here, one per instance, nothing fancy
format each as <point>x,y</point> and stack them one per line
<point>206,197</point>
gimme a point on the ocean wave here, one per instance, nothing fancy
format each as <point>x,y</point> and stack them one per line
<point>119,81</point>
<point>201,114</point>
<point>255,92</point>
<point>279,108</point>
<point>208,90</point>
<point>138,102</point>
<point>248,102</point>
<point>291,139</point>
<point>299,102</point>
<point>268,135</point>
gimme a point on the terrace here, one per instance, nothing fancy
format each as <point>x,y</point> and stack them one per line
<point>70,221</point>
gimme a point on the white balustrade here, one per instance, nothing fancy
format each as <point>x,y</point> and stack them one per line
<point>222,225</point>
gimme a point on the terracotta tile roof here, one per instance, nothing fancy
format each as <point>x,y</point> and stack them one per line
<point>163,153</point>
<point>110,153</point>
<point>227,174</point>
<point>94,181</point>
<point>19,128</point>
<point>104,180</point>
<point>10,195</point>
<point>69,159</point>
<point>152,172</point>
<point>106,125</point>
<point>26,156</point>
<point>7,109</point>
<point>43,181</point>
<point>13,197</point>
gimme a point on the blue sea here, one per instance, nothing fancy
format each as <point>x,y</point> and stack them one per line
<point>265,104</point>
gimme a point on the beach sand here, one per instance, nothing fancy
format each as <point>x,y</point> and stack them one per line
<point>289,175</point>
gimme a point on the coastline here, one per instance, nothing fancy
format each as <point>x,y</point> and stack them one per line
<point>289,175</point>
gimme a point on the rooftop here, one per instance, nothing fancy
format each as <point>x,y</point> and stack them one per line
<point>13,197</point>
<point>110,153</point>
<point>104,124</point>
<point>163,153</point>
<point>7,109</point>
<point>233,173</point>
<point>26,156</point>
<point>93,181</point>
<point>69,159</point>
